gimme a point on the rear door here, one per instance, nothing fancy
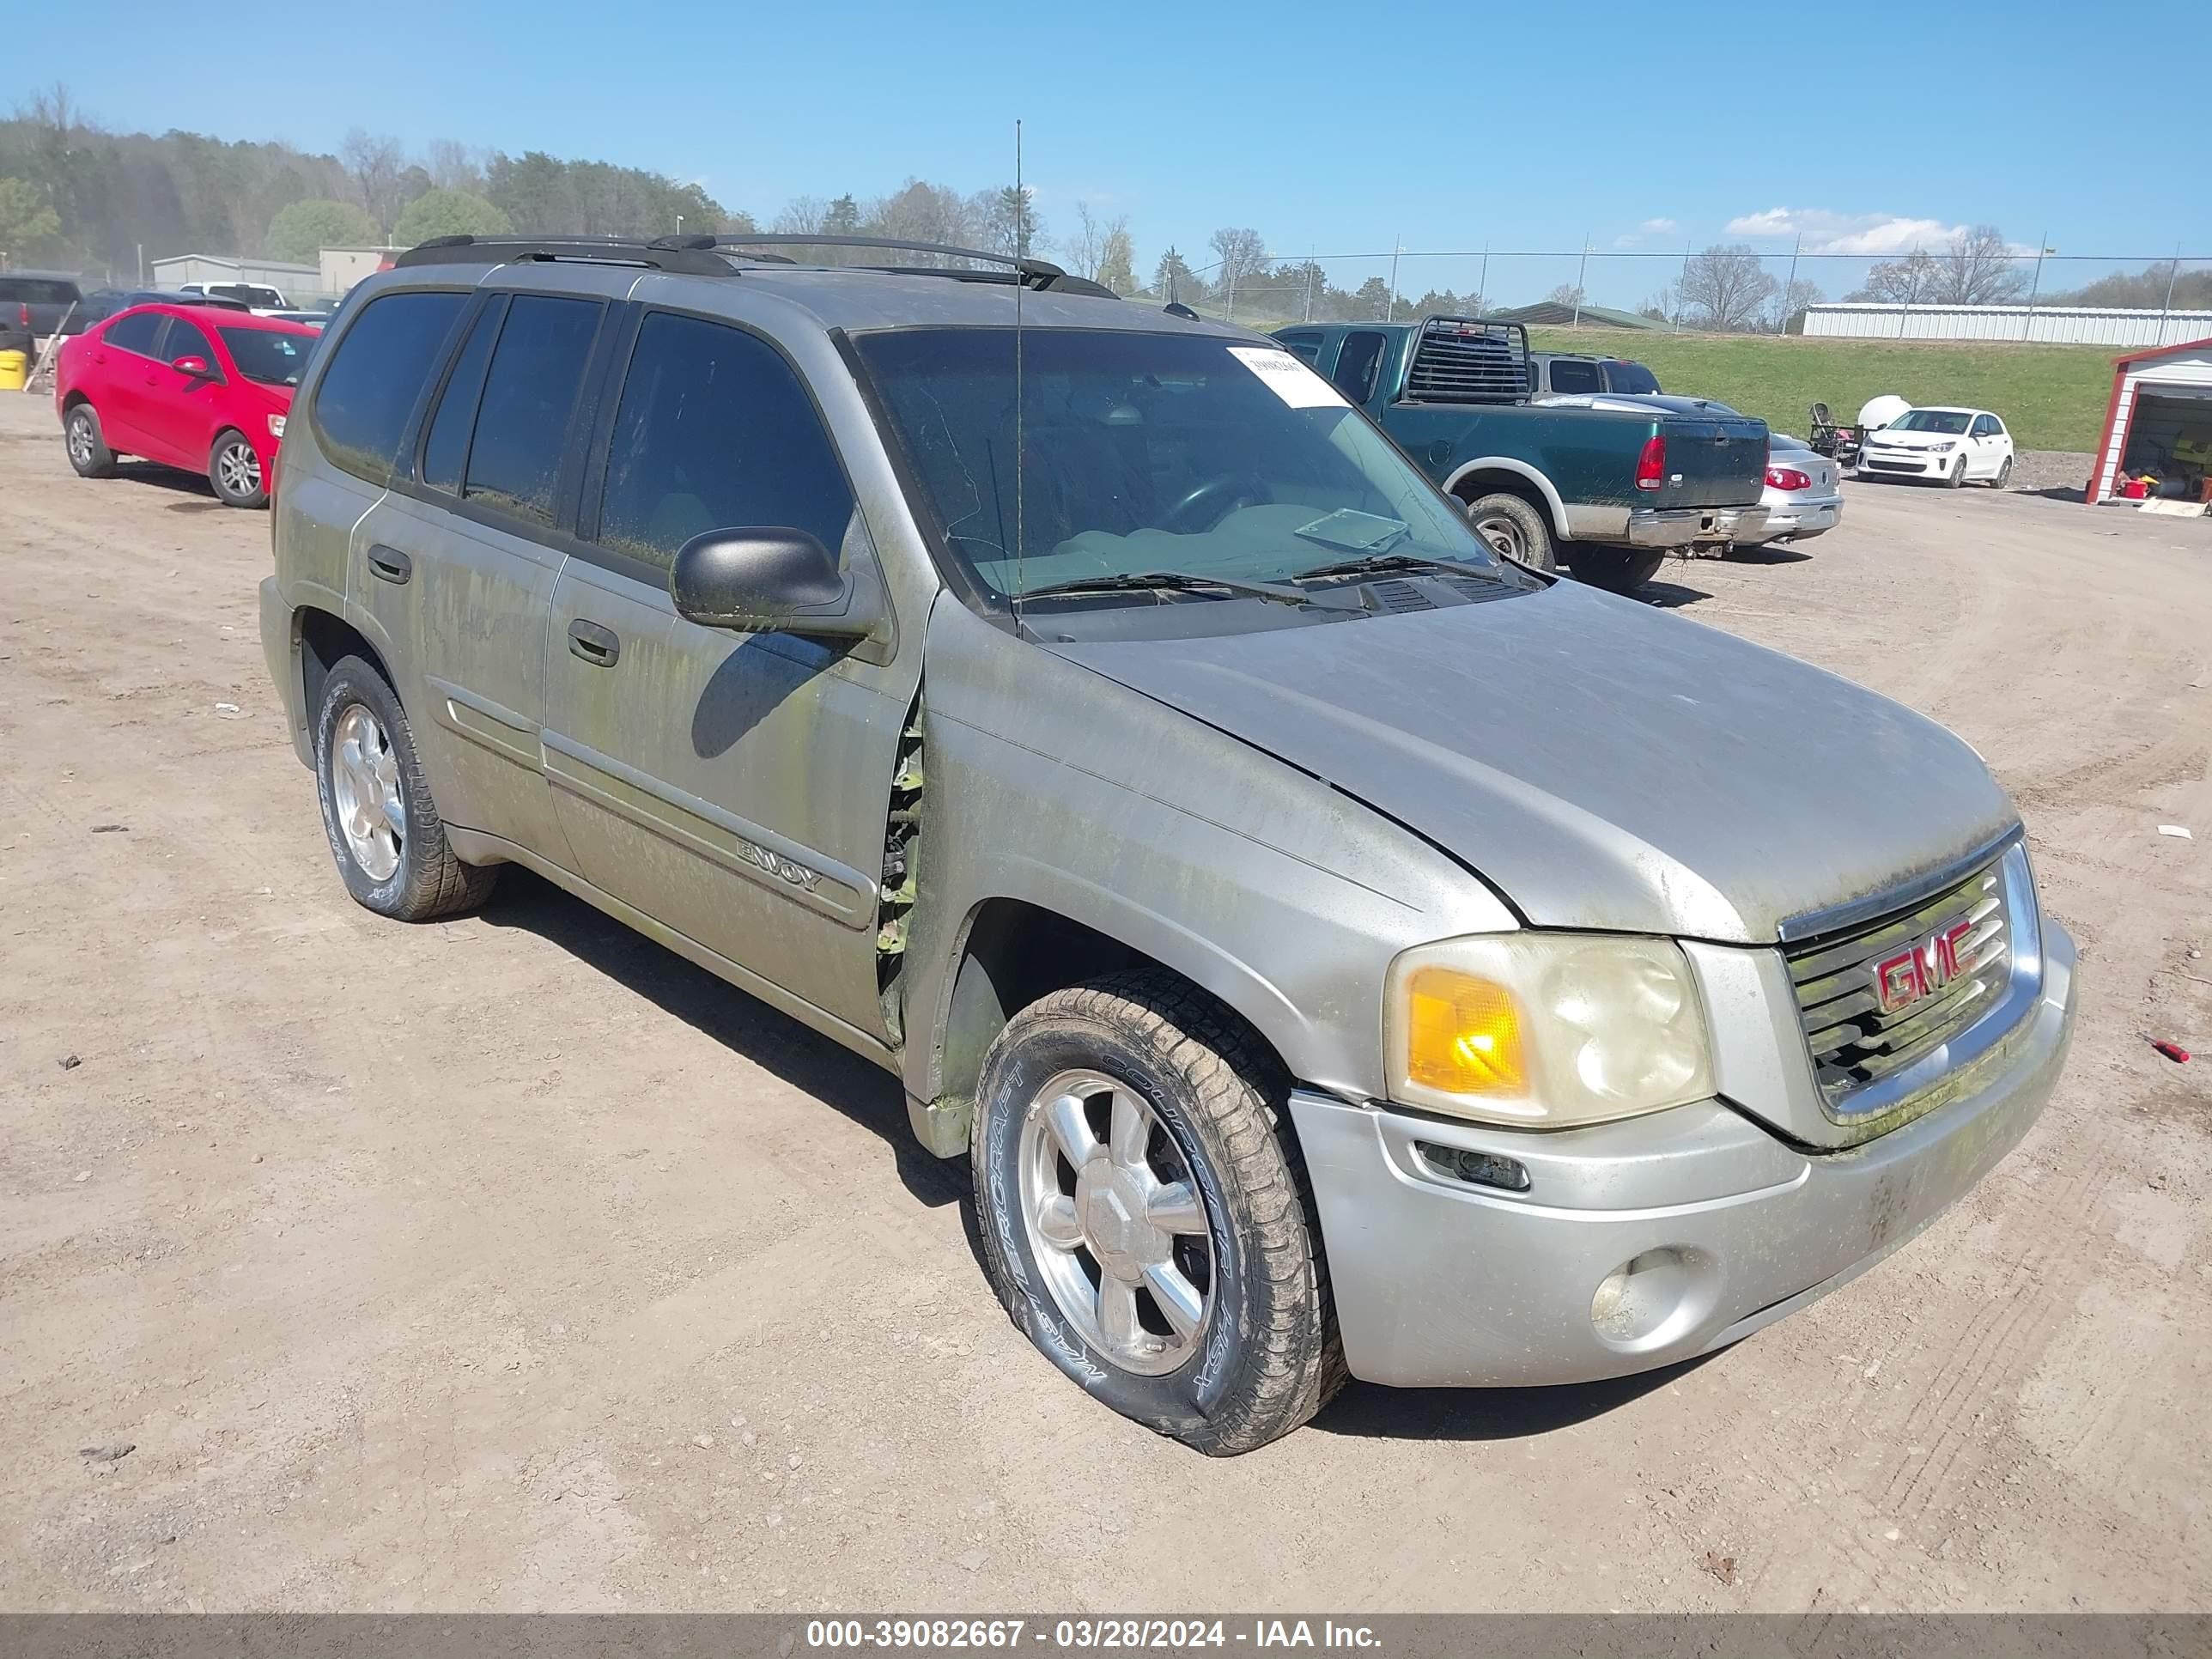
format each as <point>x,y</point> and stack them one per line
<point>733,787</point>
<point>123,360</point>
<point>457,562</point>
<point>1713,460</point>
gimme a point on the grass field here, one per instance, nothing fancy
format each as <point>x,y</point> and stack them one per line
<point>2051,397</point>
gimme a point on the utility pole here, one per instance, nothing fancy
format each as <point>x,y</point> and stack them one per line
<point>2174,272</point>
<point>1791,284</point>
<point>1581,271</point>
<point>141,264</point>
<point>2042,247</point>
<point>1310,249</point>
<point>1679,283</point>
<point>1397,248</point>
<point>1483,288</point>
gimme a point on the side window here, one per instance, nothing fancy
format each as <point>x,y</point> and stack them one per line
<point>1306,348</point>
<point>1356,365</point>
<point>136,332</point>
<point>715,432</point>
<point>366,395</point>
<point>528,393</point>
<point>186,340</point>
<point>447,446</point>
<point>1569,376</point>
<point>1985,426</point>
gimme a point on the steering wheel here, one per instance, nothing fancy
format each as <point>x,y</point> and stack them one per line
<point>1224,494</point>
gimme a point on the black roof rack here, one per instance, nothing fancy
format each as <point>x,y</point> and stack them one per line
<point>691,256</point>
<point>703,255</point>
<point>1040,274</point>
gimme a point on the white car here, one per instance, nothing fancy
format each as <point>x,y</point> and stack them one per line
<point>1951,445</point>
<point>258,297</point>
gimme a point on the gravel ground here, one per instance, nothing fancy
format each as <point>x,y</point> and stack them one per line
<point>512,1263</point>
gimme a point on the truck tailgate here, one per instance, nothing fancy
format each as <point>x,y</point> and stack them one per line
<point>1713,461</point>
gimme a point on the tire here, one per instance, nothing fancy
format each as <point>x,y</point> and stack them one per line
<point>234,469</point>
<point>1616,569</point>
<point>1262,1354</point>
<point>365,766</point>
<point>1514,529</point>
<point>2004,474</point>
<point>1957,475</point>
<point>87,443</point>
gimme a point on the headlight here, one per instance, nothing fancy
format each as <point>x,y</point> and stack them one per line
<point>276,426</point>
<point>1942,449</point>
<point>1545,1030</point>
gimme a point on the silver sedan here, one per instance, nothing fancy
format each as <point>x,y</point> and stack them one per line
<point>1804,492</point>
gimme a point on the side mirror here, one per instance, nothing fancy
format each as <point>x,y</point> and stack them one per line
<point>195,367</point>
<point>777,581</point>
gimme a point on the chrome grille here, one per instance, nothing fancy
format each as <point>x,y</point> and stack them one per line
<point>1854,1042</point>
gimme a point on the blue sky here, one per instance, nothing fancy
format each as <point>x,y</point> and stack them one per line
<point>1641,126</point>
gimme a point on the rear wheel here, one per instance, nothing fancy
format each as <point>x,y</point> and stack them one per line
<point>87,444</point>
<point>1616,569</point>
<point>2004,474</point>
<point>1513,530</point>
<point>235,470</point>
<point>384,829</point>
<point>1145,1214</point>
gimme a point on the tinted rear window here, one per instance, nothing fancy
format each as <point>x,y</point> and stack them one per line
<point>39,290</point>
<point>530,391</point>
<point>136,330</point>
<point>1568,376</point>
<point>1632,378</point>
<point>366,395</point>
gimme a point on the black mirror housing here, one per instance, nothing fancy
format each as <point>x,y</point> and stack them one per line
<point>769,580</point>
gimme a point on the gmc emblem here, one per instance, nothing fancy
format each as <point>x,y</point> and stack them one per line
<point>1919,970</point>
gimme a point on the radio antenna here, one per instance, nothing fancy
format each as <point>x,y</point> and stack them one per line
<point>1021,281</point>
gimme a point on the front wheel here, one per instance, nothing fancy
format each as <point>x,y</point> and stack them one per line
<point>1957,476</point>
<point>1616,569</point>
<point>1145,1214</point>
<point>1513,530</point>
<point>235,470</point>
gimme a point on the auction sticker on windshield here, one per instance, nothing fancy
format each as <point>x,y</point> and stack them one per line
<point>1288,378</point>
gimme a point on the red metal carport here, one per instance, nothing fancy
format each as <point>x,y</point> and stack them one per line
<point>2153,389</point>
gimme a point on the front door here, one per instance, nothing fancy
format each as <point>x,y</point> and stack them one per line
<point>733,787</point>
<point>121,388</point>
<point>181,413</point>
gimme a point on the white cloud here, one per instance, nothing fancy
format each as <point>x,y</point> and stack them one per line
<point>1659,226</point>
<point>1875,234</point>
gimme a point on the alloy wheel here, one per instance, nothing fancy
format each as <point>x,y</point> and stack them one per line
<point>1116,1222</point>
<point>1502,535</point>
<point>80,439</point>
<point>365,789</point>
<point>239,468</point>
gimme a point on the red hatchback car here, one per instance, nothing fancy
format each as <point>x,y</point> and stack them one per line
<point>190,386</point>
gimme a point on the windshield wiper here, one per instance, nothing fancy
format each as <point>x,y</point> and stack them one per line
<point>1393,562</point>
<point>1183,581</point>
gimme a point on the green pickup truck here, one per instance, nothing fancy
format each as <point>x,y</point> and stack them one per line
<point>1608,494</point>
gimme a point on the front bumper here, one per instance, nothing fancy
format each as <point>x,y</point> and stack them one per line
<point>1688,526</point>
<point>1906,464</point>
<point>1439,1282</point>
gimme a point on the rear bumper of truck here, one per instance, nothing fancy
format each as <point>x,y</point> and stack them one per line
<point>1637,1244</point>
<point>1691,526</point>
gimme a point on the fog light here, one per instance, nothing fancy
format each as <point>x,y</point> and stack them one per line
<point>1652,1299</point>
<point>1477,1169</point>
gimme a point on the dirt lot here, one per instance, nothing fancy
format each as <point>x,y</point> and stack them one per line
<point>512,1263</point>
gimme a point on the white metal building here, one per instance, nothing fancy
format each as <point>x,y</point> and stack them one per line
<point>342,267</point>
<point>2159,419</point>
<point>2043,324</point>
<point>182,268</point>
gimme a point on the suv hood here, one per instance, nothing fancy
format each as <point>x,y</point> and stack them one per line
<point>1602,764</point>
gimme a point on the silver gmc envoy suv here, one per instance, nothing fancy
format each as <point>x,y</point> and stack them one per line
<point>1337,951</point>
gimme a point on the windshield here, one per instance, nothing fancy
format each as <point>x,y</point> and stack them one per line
<point>267,356</point>
<point>1632,378</point>
<point>249,294</point>
<point>1952,420</point>
<point>1146,453</point>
